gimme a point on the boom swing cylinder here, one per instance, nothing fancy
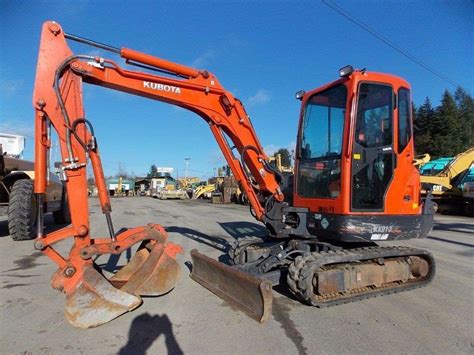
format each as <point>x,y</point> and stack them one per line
<point>305,227</point>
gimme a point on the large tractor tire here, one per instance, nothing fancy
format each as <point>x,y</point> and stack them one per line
<point>22,210</point>
<point>63,216</point>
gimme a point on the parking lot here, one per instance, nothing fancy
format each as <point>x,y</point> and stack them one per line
<point>434,319</point>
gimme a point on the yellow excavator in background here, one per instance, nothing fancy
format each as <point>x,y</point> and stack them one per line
<point>202,190</point>
<point>446,185</point>
<point>185,183</point>
<point>276,160</point>
<point>421,160</point>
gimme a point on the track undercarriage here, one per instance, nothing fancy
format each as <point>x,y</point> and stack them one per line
<point>321,274</point>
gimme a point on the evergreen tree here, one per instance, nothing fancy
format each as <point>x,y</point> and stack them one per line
<point>465,106</point>
<point>446,128</point>
<point>153,171</point>
<point>422,128</point>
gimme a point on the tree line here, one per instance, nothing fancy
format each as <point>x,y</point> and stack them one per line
<point>447,129</point>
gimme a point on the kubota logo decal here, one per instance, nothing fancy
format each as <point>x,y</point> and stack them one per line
<point>161,87</point>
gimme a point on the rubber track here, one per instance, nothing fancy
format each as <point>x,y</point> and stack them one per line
<point>237,246</point>
<point>301,271</point>
<point>20,213</point>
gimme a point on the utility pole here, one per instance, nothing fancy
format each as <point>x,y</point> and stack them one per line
<point>186,166</point>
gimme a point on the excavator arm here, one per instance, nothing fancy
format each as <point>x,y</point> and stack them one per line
<point>194,90</point>
<point>58,105</point>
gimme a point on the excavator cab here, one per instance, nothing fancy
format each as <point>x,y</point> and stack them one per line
<point>354,160</point>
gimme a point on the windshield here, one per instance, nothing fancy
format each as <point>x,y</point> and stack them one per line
<point>323,124</point>
<point>319,169</point>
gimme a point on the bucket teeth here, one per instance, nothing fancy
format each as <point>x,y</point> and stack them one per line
<point>95,301</point>
<point>152,271</point>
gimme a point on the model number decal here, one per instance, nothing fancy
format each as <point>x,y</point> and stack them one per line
<point>379,236</point>
<point>382,229</point>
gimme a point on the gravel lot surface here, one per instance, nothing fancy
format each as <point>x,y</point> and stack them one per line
<point>434,319</point>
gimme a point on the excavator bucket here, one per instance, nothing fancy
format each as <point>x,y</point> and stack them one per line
<point>152,271</point>
<point>95,301</point>
<point>242,290</point>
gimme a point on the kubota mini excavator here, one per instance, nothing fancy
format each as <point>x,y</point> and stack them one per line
<point>354,185</point>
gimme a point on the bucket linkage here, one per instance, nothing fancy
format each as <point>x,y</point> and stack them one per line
<point>91,298</point>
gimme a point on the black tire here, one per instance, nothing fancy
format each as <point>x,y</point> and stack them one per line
<point>22,210</point>
<point>63,216</point>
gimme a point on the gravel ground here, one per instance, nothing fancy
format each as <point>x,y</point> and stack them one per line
<point>191,320</point>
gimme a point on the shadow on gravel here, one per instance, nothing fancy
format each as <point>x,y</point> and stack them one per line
<point>451,241</point>
<point>145,329</point>
<point>112,264</point>
<point>219,243</point>
<point>244,229</point>
<point>284,290</point>
<point>4,229</point>
<point>455,227</point>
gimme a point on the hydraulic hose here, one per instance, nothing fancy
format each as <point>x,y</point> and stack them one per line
<point>242,162</point>
<point>57,76</point>
<point>72,128</point>
<point>91,129</point>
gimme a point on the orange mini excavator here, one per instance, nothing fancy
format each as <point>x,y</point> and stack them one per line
<point>354,185</point>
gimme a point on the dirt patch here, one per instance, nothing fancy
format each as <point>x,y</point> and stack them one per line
<point>19,276</point>
<point>27,262</point>
<point>13,303</point>
<point>281,313</point>
<point>232,307</point>
<point>9,286</point>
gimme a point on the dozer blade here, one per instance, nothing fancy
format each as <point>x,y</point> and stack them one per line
<point>95,301</point>
<point>248,293</point>
<point>152,271</point>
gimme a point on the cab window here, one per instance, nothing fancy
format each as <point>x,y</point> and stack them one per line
<point>374,116</point>
<point>404,127</point>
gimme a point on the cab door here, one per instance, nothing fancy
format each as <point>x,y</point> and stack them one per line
<point>373,158</point>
